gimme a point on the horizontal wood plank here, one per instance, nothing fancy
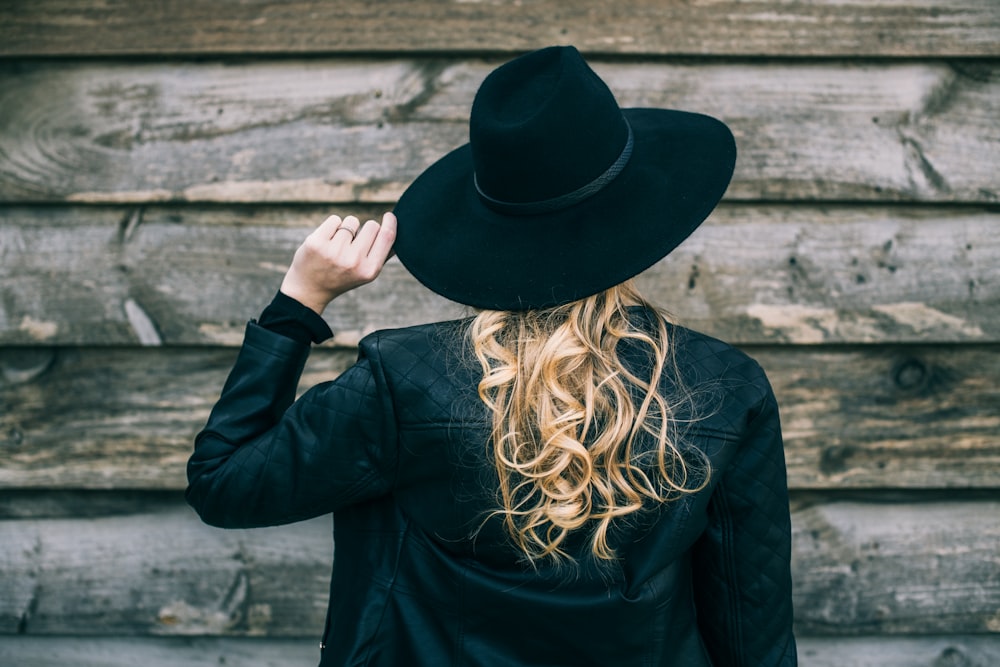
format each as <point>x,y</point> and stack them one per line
<point>907,417</point>
<point>858,569</point>
<point>163,573</point>
<point>122,418</point>
<point>970,650</point>
<point>752,274</point>
<point>361,130</point>
<point>892,417</point>
<point>762,27</point>
<point>29,651</point>
<point>881,568</point>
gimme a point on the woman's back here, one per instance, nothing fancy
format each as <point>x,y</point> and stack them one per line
<point>419,575</point>
<point>564,479</point>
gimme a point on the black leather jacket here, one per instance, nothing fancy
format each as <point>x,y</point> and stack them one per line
<point>397,448</point>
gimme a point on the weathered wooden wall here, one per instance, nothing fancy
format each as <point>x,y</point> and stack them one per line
<point>159,162</point>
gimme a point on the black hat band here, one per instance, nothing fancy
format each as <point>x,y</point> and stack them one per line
<point>568,199</point>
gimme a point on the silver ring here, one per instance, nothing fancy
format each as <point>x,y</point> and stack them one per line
<point>347,229</point>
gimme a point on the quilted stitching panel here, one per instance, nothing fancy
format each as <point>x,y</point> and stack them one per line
<point>426,373</point>
<point>743,582</point>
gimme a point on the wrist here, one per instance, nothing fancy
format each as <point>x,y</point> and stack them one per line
<point>314,300</point>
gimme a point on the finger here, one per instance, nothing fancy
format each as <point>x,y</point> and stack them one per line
<point>382,245</point>
<point>366,236</point>
<point>350,224</point>
<point>328,227</point>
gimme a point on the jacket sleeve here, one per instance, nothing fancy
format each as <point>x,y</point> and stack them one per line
<point>265,459</point>
<point>741,564</point>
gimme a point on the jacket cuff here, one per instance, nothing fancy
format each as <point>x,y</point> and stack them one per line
<point>273,343</point>
<point>288,317</point>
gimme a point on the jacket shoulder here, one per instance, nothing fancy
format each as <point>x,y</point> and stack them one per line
<point>426,368</point>
<point>703,358</point>
<point>423,340</point>
<point>722,374</point>
<point>713,357</point>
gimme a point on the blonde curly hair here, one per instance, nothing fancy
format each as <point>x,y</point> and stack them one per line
<point>567,420</point>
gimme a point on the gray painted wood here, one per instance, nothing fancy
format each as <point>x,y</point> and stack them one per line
<point>360,130</point>
<point>752,274</point>
<point>763,27</point>
<point>879,417</point>
<point>859,569</point>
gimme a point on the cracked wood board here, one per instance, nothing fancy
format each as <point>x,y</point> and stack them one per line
<point>752,274</point>
<point>858,569</point>
<point>917,417</point>
<point>764,27</point>
<point>360,130</point>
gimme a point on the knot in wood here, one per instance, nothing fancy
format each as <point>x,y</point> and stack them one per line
<point>14,437</point>
<point>22,365</point>
<point>833,459</point>
<point>911,374</point>
<point>952,657</point>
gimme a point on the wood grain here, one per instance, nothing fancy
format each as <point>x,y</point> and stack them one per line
<point>360,130</point>
<point>970,650</point>
<point>120,418</point>
<point>858,569</point>
<point>881,417</point>
<point>879,569</point>
<point>29,651</point>
<point>752,274</point>
<point>159,162</point>
<point>762,27</point>
<point>163,573</point>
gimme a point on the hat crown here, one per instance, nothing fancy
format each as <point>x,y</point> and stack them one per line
<point>560,193</point>
<point>542,126</point>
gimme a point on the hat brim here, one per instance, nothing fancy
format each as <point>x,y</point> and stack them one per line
<point>460,248</point>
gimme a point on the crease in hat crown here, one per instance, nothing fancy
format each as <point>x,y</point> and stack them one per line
<point>543,127</point>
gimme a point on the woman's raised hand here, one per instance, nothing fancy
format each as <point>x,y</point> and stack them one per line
<point>338,256</point>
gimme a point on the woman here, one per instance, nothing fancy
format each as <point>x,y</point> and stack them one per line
<point>562,479</point>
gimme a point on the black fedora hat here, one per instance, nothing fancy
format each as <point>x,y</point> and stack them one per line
<point>559,193</point>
